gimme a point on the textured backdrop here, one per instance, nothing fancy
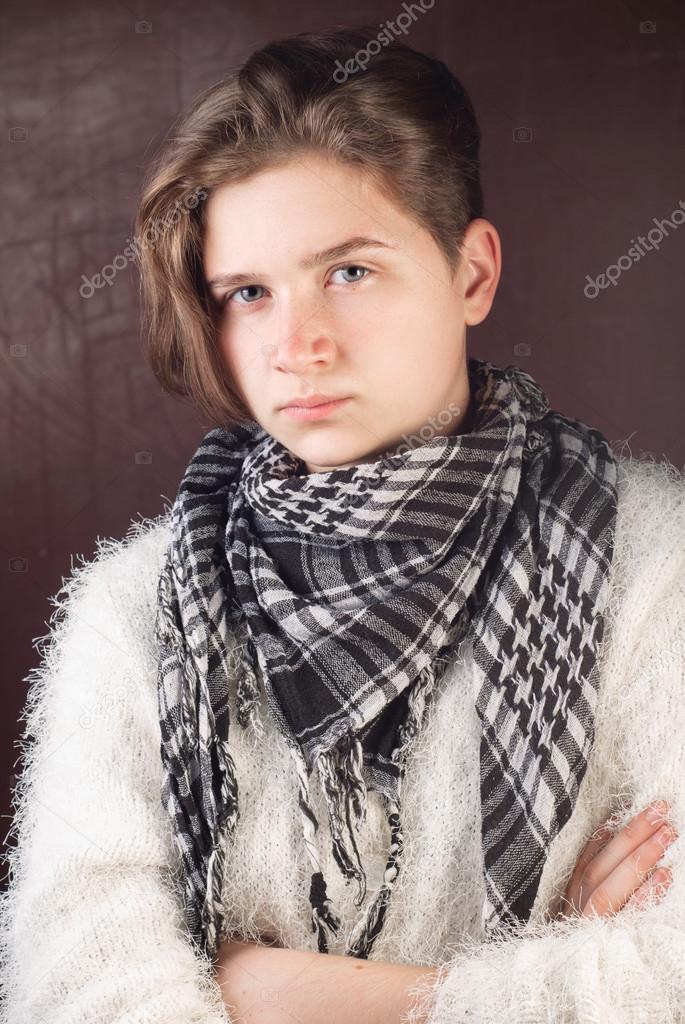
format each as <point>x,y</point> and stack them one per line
<point>583,153</point>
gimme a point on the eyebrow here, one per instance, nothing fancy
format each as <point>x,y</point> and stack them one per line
<point>308,262</point>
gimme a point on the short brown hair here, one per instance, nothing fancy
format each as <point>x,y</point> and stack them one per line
<point>403,119</point>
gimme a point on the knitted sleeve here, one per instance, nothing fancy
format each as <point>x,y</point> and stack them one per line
<point>90,925</point>
<point>630,967</point>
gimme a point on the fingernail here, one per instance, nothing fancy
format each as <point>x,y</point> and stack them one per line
<point>657,810</point>
<point>666,835</point>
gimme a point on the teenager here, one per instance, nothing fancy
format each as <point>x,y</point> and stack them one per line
<point>373,722</point>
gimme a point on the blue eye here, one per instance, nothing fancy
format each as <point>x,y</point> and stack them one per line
<point>353,266</point>
<point>348,266</point>
<point>229,295</point>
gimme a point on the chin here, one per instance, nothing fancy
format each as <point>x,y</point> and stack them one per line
<point>329,451</point>
<point>329,459</point>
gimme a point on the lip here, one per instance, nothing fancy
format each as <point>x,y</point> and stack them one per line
<point>313,412</point>
<point>307,401</point>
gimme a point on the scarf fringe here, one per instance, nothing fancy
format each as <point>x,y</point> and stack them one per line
<point>346,784</point>
<point>368,927</point>
<point>168,635</point>
<point>346,798</point>
<point>248,690</point>
<point>366,930</point>
<point>325,919</point>
<point>197,720</point>
<point>223,831</point>
<point>344,788</point>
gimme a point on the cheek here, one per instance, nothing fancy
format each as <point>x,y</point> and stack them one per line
<point>247,362</point>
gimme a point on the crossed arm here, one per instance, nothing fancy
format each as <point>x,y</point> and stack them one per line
<point>271,985</point>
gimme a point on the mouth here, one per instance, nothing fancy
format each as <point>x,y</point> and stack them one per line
<point>313,412</point>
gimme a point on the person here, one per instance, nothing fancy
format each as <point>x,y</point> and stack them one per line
<point>389,561</point>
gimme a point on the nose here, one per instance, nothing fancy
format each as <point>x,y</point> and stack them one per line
<point>303,338</point>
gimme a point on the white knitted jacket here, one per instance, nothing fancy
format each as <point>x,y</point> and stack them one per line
<point>91,926</point>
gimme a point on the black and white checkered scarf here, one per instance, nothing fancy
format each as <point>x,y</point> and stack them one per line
<point>352,590</point>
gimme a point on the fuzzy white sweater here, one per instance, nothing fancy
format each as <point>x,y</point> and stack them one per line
<point>91,928</point>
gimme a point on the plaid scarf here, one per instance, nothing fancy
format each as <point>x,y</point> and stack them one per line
<point>349,592</point>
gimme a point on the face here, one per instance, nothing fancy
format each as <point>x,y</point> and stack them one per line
<point>316,310</point>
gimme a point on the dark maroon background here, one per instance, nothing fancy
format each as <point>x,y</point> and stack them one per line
<point>88,92</point>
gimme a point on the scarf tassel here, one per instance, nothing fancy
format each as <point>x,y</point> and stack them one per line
<point>345,792</point>
<point>348,780</point>
<point>248,689</point>
<point>325,921</point>
<point>364,933</point>
<point>367,929</point>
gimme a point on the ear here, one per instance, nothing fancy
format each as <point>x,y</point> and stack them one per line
<point>483,255</point>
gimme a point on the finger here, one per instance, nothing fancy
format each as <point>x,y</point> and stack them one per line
<point>597,841</point>
<point>653,888</point>
<point>611,894</point>
<point>570,903</point>
<point>640,830</point>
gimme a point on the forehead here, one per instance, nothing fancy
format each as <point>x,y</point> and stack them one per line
<point>312,178</point>
<point>303,205</point>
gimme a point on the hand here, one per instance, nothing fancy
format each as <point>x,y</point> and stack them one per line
<point>615,870</point>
